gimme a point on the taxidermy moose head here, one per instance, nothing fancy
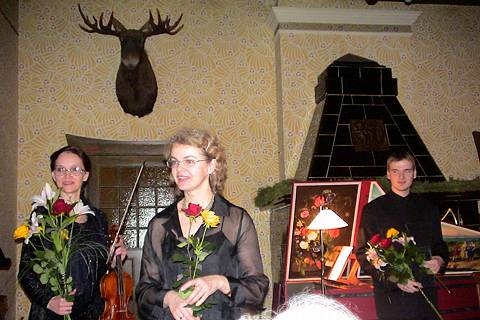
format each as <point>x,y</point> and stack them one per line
<point>136,85</point>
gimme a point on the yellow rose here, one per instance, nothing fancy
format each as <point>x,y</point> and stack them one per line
<point>392,232</point>
<point>312,235</point>
<point>21,232</point>
<point>64,234</point>
<point>210,219</point>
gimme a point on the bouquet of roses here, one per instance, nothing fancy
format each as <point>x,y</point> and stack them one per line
<point>394,256</point>
<point>49,232</point>
<point>197,250</point>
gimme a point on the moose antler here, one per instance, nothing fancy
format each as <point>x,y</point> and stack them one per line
<point>163,26</point>
<point>98,26</point>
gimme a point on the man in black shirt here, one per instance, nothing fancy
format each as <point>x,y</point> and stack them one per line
<point>409,213</point>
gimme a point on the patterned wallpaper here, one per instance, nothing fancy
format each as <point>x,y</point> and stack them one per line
<point>219,73</point>
<point>437,70</point>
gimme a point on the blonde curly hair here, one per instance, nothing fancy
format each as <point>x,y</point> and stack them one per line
<point>212,149</point>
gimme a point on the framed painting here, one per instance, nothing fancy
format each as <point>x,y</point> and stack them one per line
<point>303,259</point>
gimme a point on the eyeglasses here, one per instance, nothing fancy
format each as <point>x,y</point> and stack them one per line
<point>61,171</point>
<point>189,163</point>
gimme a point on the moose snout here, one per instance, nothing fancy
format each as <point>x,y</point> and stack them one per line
<point>131,61</point>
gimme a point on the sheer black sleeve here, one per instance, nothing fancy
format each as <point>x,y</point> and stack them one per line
<point>250,285</point>
<point>150,290</point>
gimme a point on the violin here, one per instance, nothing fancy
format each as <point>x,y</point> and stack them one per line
<point>116,286</point>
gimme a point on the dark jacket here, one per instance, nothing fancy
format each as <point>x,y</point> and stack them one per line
<point>86,274</point>
<point>419,218</point>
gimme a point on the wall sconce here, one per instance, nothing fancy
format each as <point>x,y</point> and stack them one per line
<point>326,219</point>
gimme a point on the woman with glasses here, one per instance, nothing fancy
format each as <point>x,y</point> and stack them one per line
<point>230,280</point>
<point>70,168</point>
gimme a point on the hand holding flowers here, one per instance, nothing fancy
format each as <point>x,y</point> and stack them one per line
<point>50,238</point>
<point>197,251</point>
<point>394,257</point>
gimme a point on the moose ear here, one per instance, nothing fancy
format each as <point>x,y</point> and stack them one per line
<point>118,25</point>
<point>147,27</point>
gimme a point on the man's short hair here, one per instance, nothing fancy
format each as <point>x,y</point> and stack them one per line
<point>399,156</point>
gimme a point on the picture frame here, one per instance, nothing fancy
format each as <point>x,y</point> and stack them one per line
<point>303,258</point>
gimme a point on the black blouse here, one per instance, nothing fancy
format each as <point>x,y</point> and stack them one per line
<point>236,256</point>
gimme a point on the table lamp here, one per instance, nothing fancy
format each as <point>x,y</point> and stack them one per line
<point>326,219</point>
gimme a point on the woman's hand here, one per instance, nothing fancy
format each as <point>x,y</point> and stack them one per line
<point>120,251</point>
<point>178,307</point>
<point>60,305</point>
<point>203,287</point>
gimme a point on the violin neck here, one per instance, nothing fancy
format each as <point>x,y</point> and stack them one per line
<point>120,285</point>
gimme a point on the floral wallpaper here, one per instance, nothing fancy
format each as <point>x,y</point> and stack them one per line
<point>219,73</point>
<point>437,70</point>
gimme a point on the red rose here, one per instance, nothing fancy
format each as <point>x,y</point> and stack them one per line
<point>375,239</point>
<point>334,233</point>
<point>319,201</point>
<point>304,214</point>
<point>308,261</point>
<point>61,207</point>
<point>303,232</point>
<point>193,210</point>
<point>386,243</point>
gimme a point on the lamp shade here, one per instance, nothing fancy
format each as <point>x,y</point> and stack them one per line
<point>327,219</point>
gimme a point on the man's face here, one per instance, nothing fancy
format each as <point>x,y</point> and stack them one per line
<point>401,175</point>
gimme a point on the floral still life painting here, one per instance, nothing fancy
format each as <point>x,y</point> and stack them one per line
<point>49,231</point>
<point>394,256</point>
<point>197,249</point>
<point>305,256</point>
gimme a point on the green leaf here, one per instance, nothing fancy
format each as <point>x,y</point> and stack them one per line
<point>44,278</point>
<point>186,293</point>
<point>182,244</point>
<point>202,255</point>
<point>37,268</point>
<point>54,282</point>
<point>177,257</point>
<point>57,242</point>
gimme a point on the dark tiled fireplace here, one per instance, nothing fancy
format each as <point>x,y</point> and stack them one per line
<point>357,123</point>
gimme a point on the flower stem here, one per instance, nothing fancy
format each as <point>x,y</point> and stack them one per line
<point>431,305</point>
<point>188,243</point>
<point>196,257</point>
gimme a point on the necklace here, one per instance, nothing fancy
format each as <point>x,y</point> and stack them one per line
<point>208,207</point>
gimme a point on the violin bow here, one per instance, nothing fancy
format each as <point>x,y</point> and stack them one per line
<point>125,213</point>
